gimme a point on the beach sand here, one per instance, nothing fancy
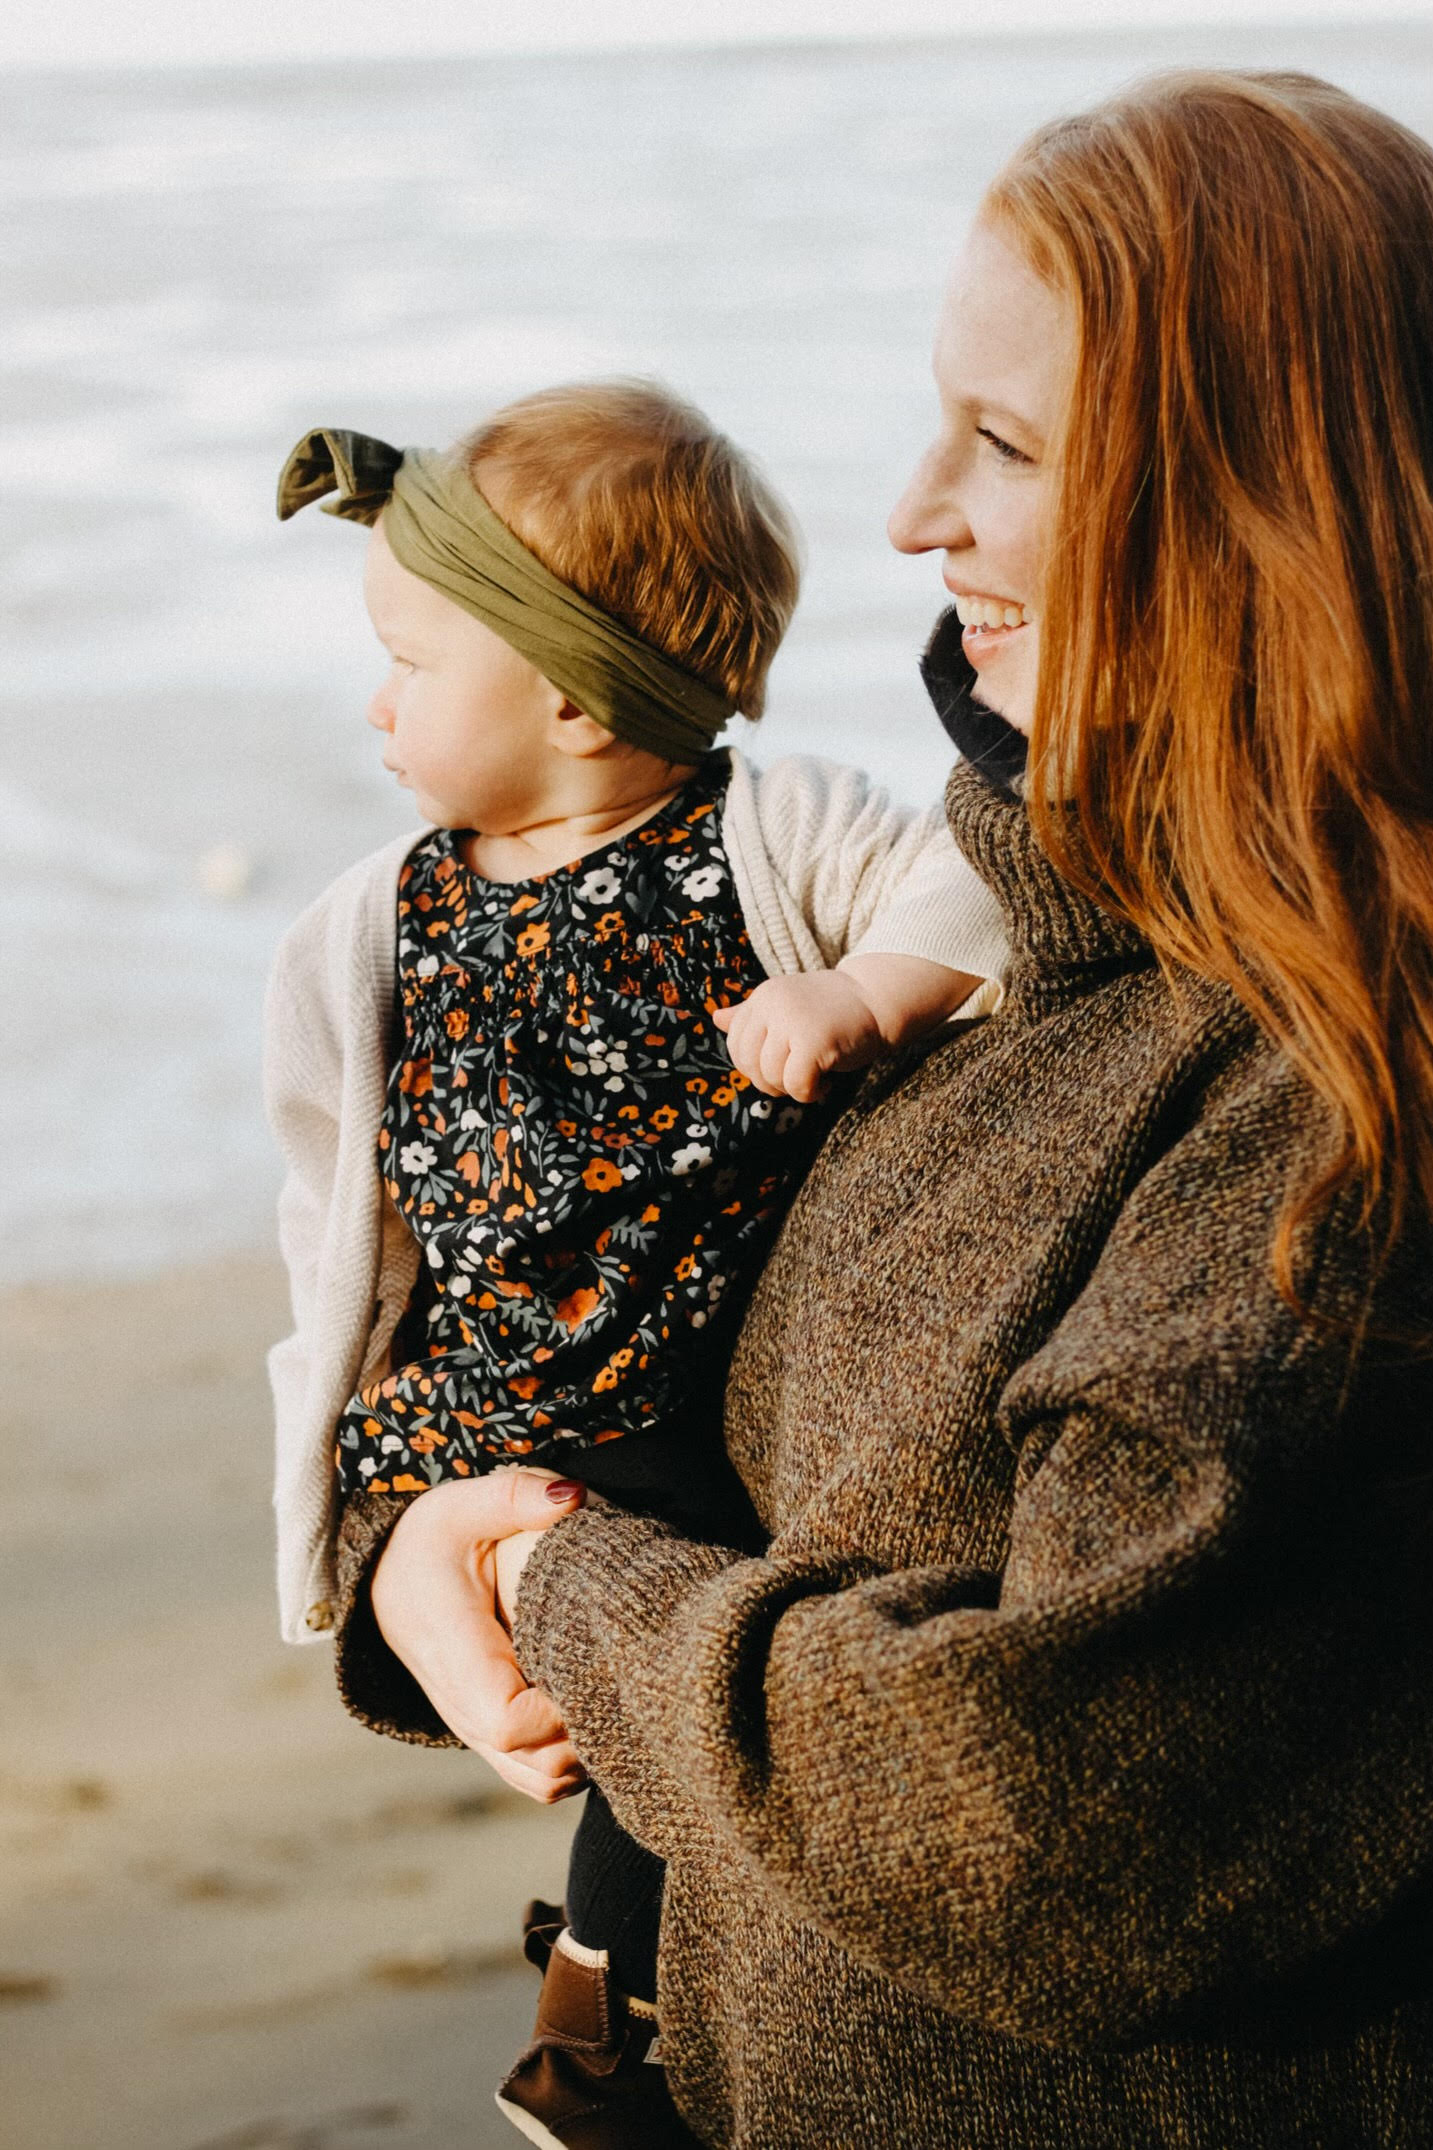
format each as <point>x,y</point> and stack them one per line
<point>229,1916</point>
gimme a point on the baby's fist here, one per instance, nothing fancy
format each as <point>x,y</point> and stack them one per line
<point>791,1033</point>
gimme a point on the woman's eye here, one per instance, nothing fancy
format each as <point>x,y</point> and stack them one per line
<point>1003,448</point>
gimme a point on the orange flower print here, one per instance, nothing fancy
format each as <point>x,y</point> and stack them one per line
<point>581,996</point>
<point>575,1308</point>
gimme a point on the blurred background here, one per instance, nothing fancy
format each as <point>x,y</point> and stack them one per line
<point>231,1918</point>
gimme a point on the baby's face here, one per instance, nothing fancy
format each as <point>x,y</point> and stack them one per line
<point>466,717</point>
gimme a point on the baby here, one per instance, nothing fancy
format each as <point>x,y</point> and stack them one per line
<point>496,1058</point>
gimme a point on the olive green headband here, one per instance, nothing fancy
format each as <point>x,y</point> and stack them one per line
<point>439,527</point>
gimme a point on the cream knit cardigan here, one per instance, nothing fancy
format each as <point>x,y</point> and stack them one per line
<point>824,866</point>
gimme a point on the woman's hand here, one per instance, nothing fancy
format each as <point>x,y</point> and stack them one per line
<point>435,1598</point>
<point>510,1557</point>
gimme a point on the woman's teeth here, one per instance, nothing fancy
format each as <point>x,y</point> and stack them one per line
<point>990,612</point>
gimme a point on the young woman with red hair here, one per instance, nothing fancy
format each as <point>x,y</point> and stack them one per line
<point>1061,1770</point>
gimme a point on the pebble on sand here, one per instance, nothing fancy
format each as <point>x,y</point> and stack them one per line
<point>225,871</point>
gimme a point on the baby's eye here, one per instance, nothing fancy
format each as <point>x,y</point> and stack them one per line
<point>1003,448</point>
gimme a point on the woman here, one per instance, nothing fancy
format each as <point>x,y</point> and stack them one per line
<point>1062,1772</point>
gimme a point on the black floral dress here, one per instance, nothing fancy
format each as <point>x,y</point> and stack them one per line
<point>593,1185</point>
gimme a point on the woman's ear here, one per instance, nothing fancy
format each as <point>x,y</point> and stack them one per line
<point>571,731</point>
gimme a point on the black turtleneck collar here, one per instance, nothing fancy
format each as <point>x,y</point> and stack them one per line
<point>986,741</point>
<point>1055,930</point>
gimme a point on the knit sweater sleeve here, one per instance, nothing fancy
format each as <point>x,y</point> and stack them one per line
<point>1178,1749</point>
<point>869,877</point>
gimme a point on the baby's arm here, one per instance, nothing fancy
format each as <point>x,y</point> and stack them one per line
<point>791,1033</point>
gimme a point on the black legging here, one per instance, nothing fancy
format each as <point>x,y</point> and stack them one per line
<point>614,1898</point>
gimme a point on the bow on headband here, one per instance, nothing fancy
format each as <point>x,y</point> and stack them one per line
<point>439,526</point>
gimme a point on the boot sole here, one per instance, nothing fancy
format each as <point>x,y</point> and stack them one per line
<point>527,2124</point>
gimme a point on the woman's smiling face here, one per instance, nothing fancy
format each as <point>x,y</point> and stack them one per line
<point>984,492</point>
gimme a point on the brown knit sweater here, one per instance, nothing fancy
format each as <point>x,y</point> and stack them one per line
<point>1061,1775</point>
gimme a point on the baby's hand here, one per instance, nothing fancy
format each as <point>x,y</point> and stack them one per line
<point>793,1032</point>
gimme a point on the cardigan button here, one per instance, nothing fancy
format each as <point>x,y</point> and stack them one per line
<point>319,1617</point>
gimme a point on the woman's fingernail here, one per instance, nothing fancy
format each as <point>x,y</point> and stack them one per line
<point>561,1489</point>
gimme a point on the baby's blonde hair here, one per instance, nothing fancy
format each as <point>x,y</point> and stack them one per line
<point>634,498</point>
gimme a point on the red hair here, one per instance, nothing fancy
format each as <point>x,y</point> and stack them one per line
<point>1233,729</point>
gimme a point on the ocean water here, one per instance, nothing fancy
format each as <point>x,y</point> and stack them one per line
<point>195,268</point>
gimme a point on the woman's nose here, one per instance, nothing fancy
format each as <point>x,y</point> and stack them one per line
<point>927,516</point>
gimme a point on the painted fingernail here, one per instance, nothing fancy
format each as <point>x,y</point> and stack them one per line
<point>559,1490</point>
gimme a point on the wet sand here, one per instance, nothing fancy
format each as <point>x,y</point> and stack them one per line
<point>230,1918</point>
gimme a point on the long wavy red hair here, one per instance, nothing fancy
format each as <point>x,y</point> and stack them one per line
<point>1234,725</point>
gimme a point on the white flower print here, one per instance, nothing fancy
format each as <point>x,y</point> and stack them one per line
<point>418,1157</point>
<point>704,882</point>
<point>601,886</point>
<point>690,1159</point>
<point>428,966</point>
<point>470,1120</point>
<point>605,1059</point>
<point>760,1108</point>
<point>391,1444</point>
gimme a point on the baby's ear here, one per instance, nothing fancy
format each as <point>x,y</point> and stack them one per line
<point>571,731</point>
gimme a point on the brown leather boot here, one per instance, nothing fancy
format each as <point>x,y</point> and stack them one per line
<point>592,2079</point>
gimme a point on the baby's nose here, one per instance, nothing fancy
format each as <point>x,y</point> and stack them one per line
<point>380,711</point>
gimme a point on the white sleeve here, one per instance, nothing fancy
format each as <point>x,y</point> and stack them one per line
<point>869,877</point>
<point>303,1081</point>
